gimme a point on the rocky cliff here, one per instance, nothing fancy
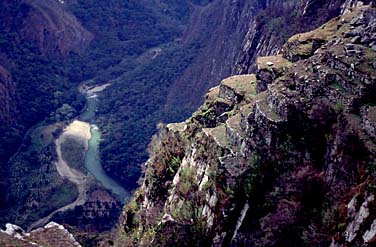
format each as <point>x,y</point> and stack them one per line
<point>282,157</point>
<point>235,33</point>
<point>52,234</point>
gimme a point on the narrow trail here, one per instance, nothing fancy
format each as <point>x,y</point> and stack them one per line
<point>80,130</point>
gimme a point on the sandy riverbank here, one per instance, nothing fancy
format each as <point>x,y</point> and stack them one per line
<point>97,89</point>
<point>80,130</point>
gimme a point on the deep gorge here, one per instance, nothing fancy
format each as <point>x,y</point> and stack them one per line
<point>161,58</point>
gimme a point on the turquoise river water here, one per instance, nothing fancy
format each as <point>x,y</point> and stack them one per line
<point>92,158</point>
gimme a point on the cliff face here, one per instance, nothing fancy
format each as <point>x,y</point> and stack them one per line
<point>278,20</point>
<point>283,157</point>
<point>219,27</point>
<point>235,33</point>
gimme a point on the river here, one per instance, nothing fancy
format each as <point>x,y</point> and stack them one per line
<point>92,158</point>
<point>85,129</point>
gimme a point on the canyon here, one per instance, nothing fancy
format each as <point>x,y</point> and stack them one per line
<point>279,152</point>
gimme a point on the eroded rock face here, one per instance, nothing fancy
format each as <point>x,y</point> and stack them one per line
<point>234,33</point>
<point>358,219</point>
<point>296,151</point>
<point>266,38</point>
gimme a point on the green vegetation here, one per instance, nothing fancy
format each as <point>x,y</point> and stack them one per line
<point>134,104</point>
<point>174,165</point>
<point>166,160</point>
<point>209,184</point>
<point>339,107</point>
<point>66,193</point>
<point>64,113</point>
<point>39,190</point>
<point>338,86</point>
<point>36,77</point>
<point>254,178</point>
<point>125,32</point>
<point>187,180</point>
<point>42,87</point>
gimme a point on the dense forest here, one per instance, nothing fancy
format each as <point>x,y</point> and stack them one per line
<point>134,111</point>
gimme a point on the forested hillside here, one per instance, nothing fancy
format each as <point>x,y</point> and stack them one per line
<point>35,38</point>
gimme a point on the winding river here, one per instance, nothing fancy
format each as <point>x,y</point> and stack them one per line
<point>84,129</point>
<point>92,158</point>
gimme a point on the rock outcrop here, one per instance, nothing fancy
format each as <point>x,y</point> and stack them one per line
<point>278,20</point>
<point>52,234</point>
<point>285,157</point>
<point>234,33</point>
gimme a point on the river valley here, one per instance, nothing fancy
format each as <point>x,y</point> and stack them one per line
<point>92,158</point>
<point>90,173</point>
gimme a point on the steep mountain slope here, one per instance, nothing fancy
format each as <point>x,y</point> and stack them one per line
<point>154,56</point>
<point>34,38</point>
<point>285,157</point>
<point>33,33</point>
<point>8,110</point>
<point>235,33</point>
<point>188,65</point>
<point>8,102</point>
<point>55,30</point>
